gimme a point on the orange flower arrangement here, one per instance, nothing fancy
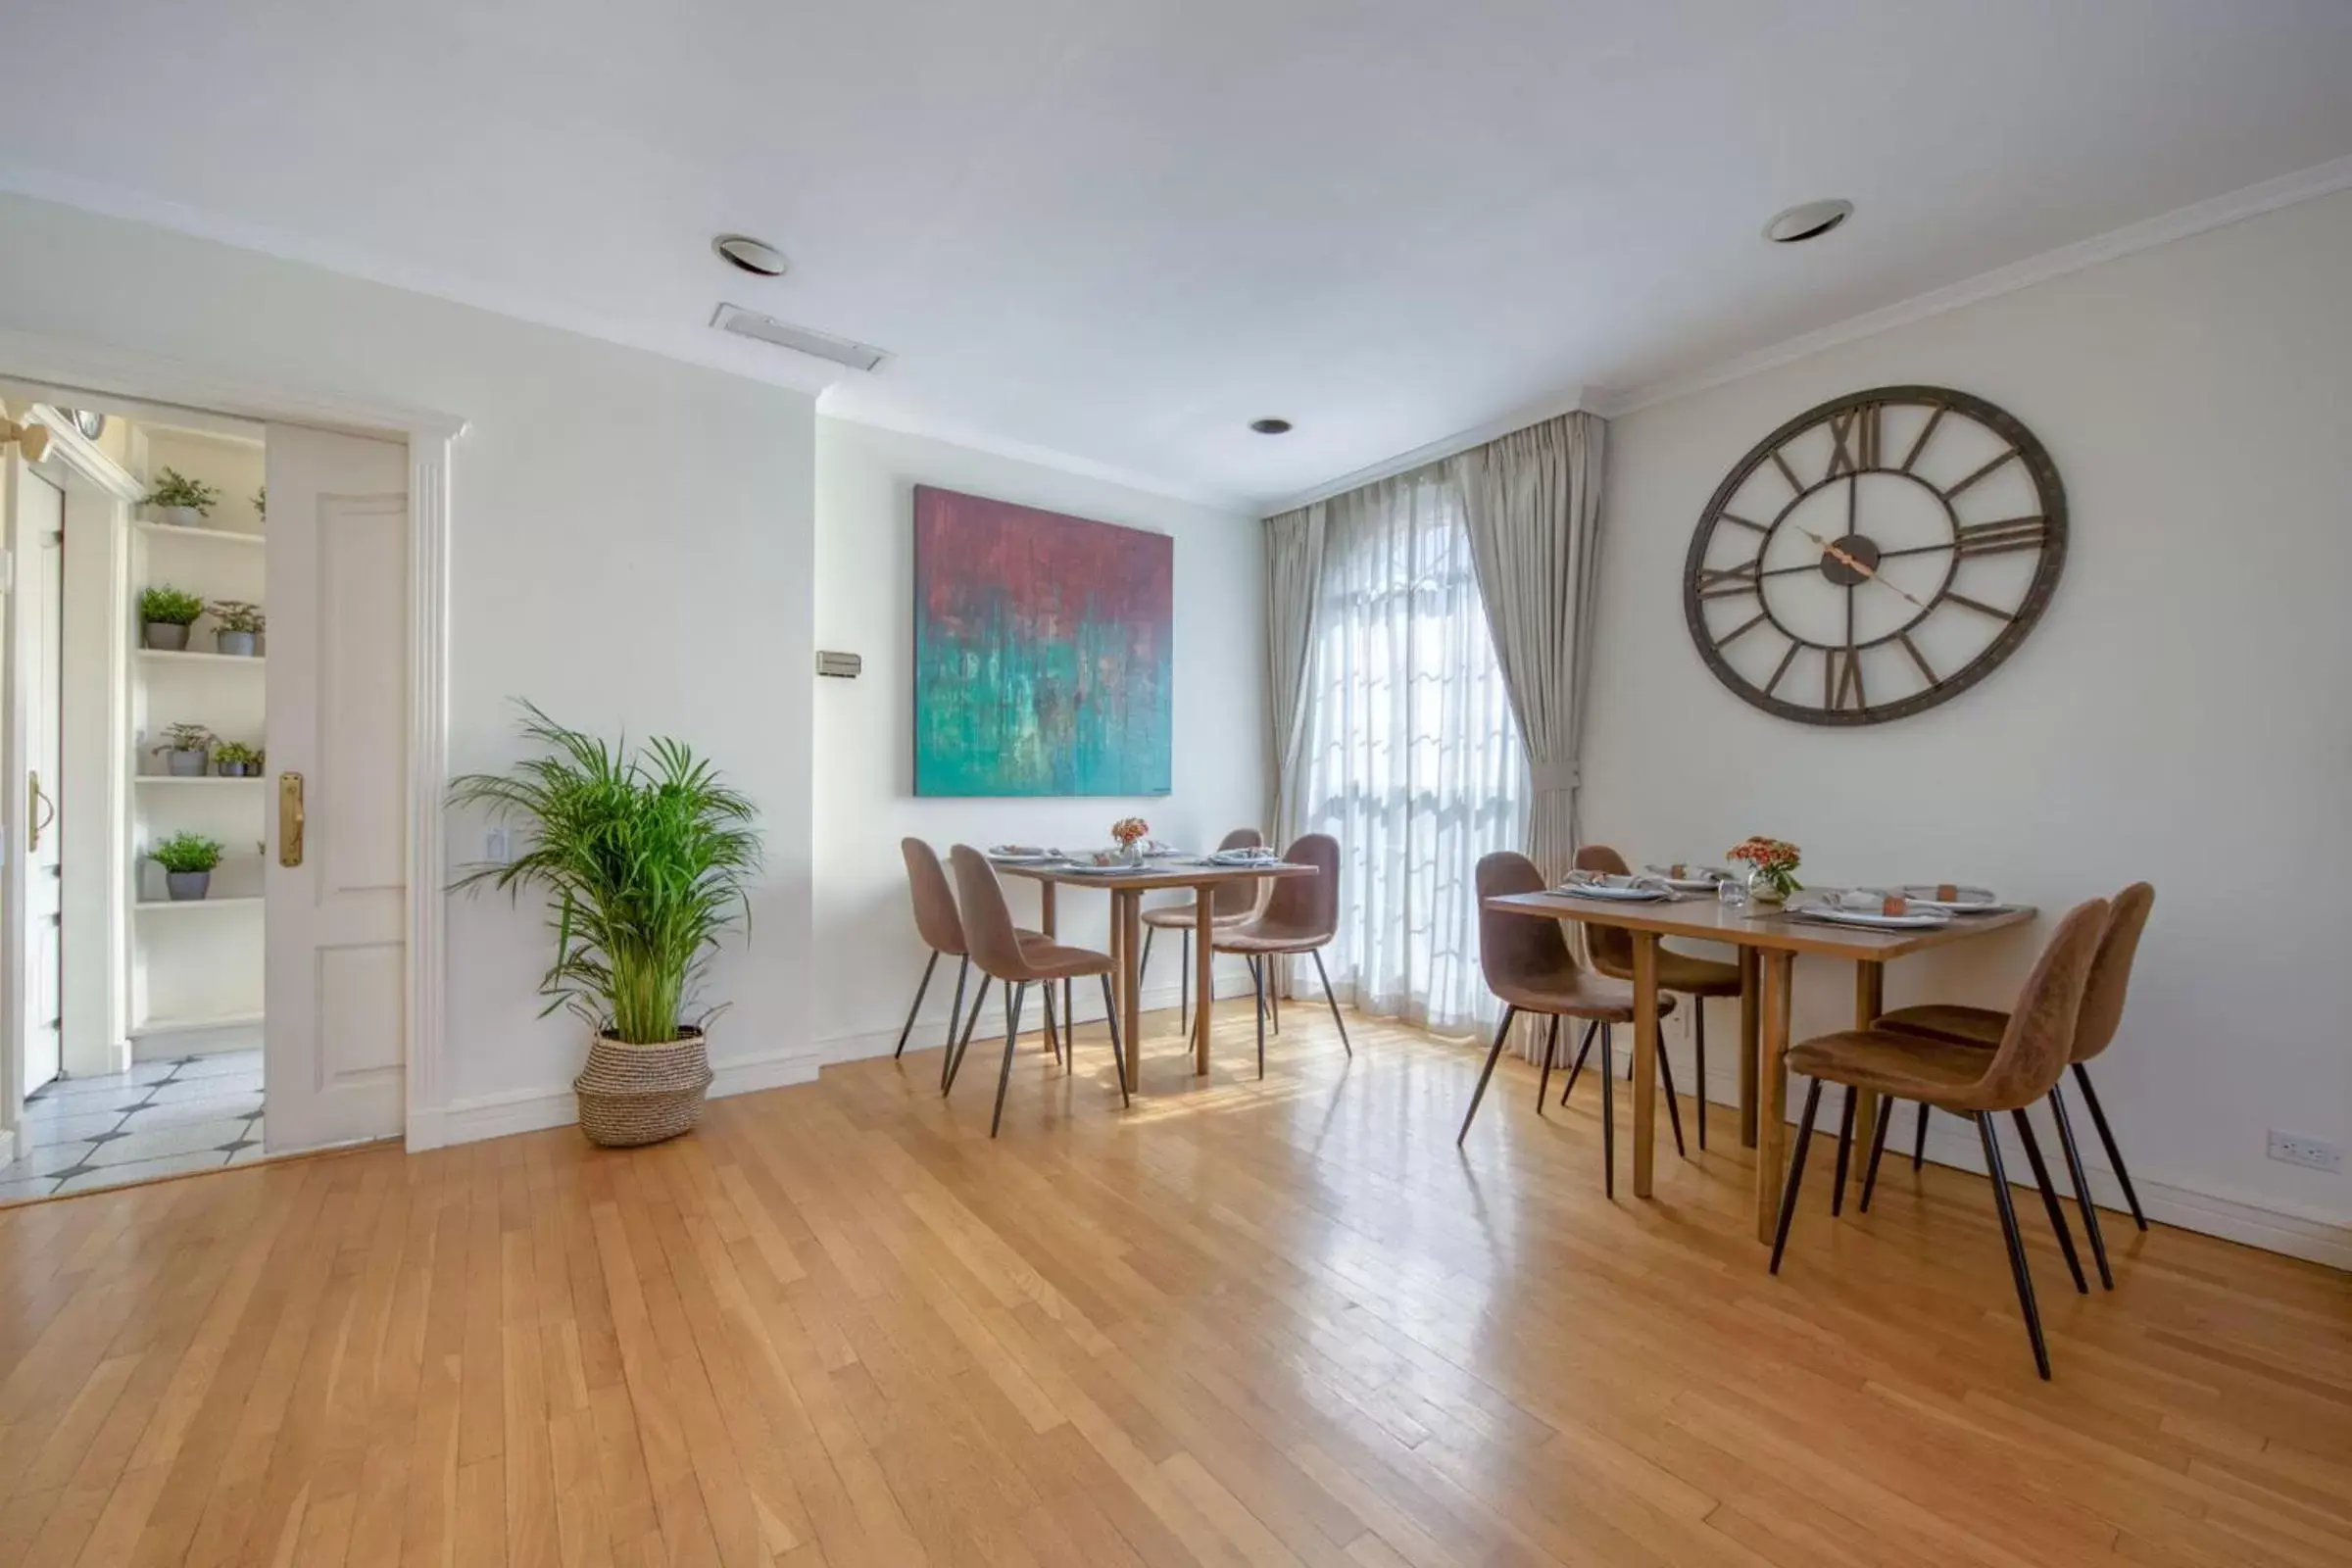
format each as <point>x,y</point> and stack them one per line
<point>1773,862</point>
<point>1128,829</point>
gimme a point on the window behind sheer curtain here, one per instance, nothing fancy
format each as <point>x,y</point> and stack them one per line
<point>1411,758</point>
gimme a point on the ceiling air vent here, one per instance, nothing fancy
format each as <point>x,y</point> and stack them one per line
<point>784,336</point>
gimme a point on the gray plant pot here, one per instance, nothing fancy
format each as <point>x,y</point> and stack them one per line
<point>184,765</point>
<point>236,644</point>
<point>169,636</point>
<point>187,886</point>
<point>230,769</point>
<point>176,516</point>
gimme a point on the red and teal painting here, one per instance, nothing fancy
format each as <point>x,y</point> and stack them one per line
<point>1042,650</point>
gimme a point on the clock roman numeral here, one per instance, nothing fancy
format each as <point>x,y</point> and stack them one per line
<point>1979,607</point>
<point>1979,473</point>
<point>1994,538</point>
<point>1782,669</point>
<point>1740,630</point>
<point>1921,445</point>
<point>1927,670</point>
<point>1742,523</point>
<point>1842,676</point>
<point>1787,473</point>
<point>1730,582</point>
<point>1855,440</point>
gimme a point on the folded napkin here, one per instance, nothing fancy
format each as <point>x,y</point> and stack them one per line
<point>1252,857</point>
<point>1689,873</point>
<point>1613,879</point>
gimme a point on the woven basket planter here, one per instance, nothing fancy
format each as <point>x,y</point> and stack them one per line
<point>631,1095</point>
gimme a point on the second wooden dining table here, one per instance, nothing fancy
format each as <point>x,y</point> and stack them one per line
<point>1127,889</point>
<point>1769,941</point>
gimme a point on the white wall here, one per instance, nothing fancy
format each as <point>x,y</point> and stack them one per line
<point>2180,715</point>
<point>867,955</point>
<point>632,547</point>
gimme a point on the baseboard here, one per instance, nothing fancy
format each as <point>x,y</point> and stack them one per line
<point>534,1110</point>
<point>1953,1142</point>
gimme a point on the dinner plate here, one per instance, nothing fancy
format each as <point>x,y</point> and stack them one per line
<point>1041,858</point>
<point>1083,869</point>
<point>1918,921</point>
<point>1972,901</point>
<point>1590,890</point>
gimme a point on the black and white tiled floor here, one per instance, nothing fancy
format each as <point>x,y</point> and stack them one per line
<point>161,1118</point>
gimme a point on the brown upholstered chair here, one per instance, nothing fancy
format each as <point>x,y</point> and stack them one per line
<point>942,931</point>
<point>1612,949</point>
<point>2033,1051</point>
<point>2102,1015</point>
<point>1001,953</point>
<point>1301,915</point>
<point>1230,905</point>
<point>1527,964</point>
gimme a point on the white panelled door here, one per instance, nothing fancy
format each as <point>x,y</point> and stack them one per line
<point>34,883</point>
<point>337,882</point>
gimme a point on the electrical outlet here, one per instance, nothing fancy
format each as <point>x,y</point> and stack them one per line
<point>498,847</point>
<point>2295,1148</point>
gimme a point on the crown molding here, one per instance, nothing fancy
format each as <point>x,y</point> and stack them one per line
<point>2216,212</point>
<point>1568,401</point>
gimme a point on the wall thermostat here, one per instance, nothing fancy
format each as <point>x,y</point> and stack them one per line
<point>844,665</point>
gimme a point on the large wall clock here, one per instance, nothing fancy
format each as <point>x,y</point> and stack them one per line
<point>1876,556</point>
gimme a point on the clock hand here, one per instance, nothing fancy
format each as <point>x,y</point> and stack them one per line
<point>1846,559</point>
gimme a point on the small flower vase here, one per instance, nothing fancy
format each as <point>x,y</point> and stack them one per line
<point>1763,887</point>
<point>1131,853</point>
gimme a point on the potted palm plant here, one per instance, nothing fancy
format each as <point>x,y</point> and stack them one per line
<point>179,501</point>
<point>240,623</point>
<point>646,860</point>
<point>166,614</point>
<point>187,859</point>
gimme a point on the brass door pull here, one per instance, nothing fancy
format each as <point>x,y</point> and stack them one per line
<point>289,819</point>
<point>40,805</point>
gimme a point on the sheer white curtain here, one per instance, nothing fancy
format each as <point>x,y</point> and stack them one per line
<point>1410,755</point>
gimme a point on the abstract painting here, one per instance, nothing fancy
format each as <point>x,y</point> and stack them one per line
<point>1042,650</point>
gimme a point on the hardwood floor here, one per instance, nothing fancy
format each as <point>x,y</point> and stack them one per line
<point>1242,1323</point>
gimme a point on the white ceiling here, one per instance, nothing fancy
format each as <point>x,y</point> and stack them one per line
<point>1119,229</point>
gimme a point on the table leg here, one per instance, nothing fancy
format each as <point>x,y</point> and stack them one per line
<point>1750,1028</point>
<point>1044,923</point>
<point>1645,1059</point>
<point>1204,930</point>
<point>1772,1090</point>
<point>1127,909</point>
<point>1870,999</point>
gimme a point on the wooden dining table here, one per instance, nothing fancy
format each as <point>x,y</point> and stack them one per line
<point>1769,940</point>
<point>1127,889</point>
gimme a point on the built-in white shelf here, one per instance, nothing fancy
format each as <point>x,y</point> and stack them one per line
<point>223,536</point>
<point>199,780</point>
<point>150,905</point>
<point>168,656</point>
<point>195,1025</point>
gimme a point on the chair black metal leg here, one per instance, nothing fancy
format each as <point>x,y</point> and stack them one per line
<point>1674,1109</point>
<point>1316,953</point>
<point>1274,999</point>
<point>1797,1173</point>
<point>1878,1147</point>
<point>1052,1032</point>
<point>1608,1118</point>
<point>1919,1139</point>
<point>1591,1028</point>
<point>2115,1155</point>
<point>1257,988</point>
<point>1118,1053</point>
<point>1699,1049</point>
<point>1846,1145</point>
<point>2017,1245</point>
<point>2049,1199</point>
<point>1551,1045</point>
<point>964,972</point>
<point>955,1064</point>
<point>1502,1032</point>
<point>1143,965</point>
<point>922,985</point>
<point>2074,1170</point>
<point>1012,1032</point>
<point>1183,989</point>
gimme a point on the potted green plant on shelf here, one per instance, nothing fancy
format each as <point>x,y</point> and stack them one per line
<point>164,615</point>
<point>185,748</point>
<point>187,859</point>
<point>236,760</point>
<point>240,623</point>
<point>646,861</point>
<point>179,501</point>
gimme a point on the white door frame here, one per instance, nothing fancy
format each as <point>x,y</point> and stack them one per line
<point>68,366</point>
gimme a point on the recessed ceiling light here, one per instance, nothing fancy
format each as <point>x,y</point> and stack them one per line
<point>1270,426</point>
<point>753,256</point>
<point>1807,220</point>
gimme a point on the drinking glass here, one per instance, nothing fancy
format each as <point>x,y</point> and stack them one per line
<point>1733,893</point>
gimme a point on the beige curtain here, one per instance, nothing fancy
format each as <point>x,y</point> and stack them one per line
<point>1532,503</point>
<point>1293,589</point>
